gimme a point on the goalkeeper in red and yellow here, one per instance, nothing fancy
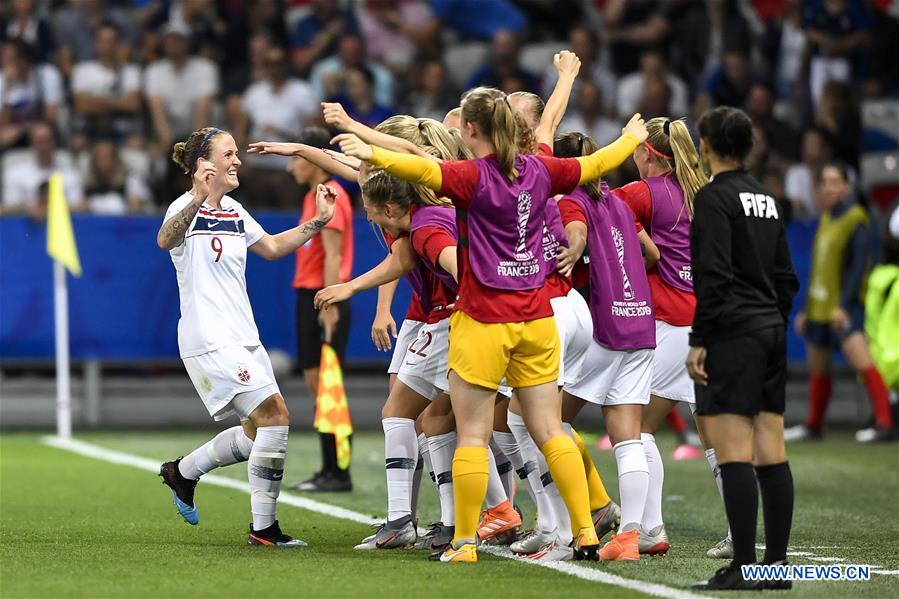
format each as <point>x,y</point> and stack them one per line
<point>503,324</point>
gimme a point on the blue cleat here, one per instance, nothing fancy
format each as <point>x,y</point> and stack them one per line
<point>182,491</point>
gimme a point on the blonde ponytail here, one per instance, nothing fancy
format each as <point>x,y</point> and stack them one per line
<point>672,146</point>
<point>488,108</point>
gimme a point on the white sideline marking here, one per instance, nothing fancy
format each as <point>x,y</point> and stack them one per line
<point>827,559</point>
<point>590,574</point>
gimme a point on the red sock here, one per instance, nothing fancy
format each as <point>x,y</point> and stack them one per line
<point>819,386</point>
<point>880,400</point>
<point>676,422</point>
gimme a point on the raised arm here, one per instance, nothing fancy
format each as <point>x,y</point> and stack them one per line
<point>399,262</point>
<point>403,166</point>
<point>567,64</point>
<point>336,116</point>
<point>611,156</point>
<point>171,233</point>
<point>316,156</point>
<point>272,247</point>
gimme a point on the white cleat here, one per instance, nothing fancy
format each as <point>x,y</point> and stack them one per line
<point>654,542</point>
<point>723,550</point>
<point>391,535</point>
<point>533,541</point>
<point>554,552</point>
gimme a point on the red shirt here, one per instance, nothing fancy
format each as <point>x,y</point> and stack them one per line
<point>415,311</point>
<point>483,303</point>
<point>310,257</point>
<point>672,305</point>
<point>428,242</point>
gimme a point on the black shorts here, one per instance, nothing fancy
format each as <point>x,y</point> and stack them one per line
<point>311,335</point>
<point>823,335</point>
<point>747,374</point>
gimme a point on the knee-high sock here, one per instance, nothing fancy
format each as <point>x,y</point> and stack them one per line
<point>567,470</point>
<point>880,397</point>
<point>509,446</point>
<point>496,492</point>
<point>547,520</point>
<point>776,484</point>
<point>599,497</point>
<point>819,386</point>
<point>741,502</point>
<point>442,449</point>
<point>716,472</point>
<point>652,511</point>
<point>503,468</point>
<point>228,447</point>
<point>265,470</point>
<point>401,457</point>
<point>469,485</point>
<point>633,482</point>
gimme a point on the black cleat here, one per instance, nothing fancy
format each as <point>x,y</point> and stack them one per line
<point>728,578</point>
<point>273,537</point>
<point>324,482</point>
<point>182,491</point>
<point>778,585</point>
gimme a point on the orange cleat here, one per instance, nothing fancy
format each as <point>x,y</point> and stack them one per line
<point>622,547</point>
<point>497,520</point>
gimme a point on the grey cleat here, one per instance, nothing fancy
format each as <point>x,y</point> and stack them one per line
<point>438,537</point>
<point>391,535</point>
<point>723,550</point>
<point>606,519</point>
<point>533,541</point>
<point>653,542</point>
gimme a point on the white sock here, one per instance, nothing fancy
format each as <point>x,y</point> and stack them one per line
<point>416,487</point>
<point>533,458</point>
<point>509,446</point>
<point>443,447</point>
<point>496,493</point>
<point>504,467</point>
<point>400,458</point>
<point>424,450</point>
<point>716,472</point>
<point>265,471</point>
<point>228,447</point>
<point>633,482</point>
<point>652,511</point>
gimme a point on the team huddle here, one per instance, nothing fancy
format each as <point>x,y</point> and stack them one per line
<point>537,290</point>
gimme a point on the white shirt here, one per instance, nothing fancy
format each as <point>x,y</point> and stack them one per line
<point>115,202</point>
<point>21,184</point>
<point>799,187</point>
<point>180,90</point>
<point>211,264</point>
<point>631,89</point>
<point>44,87</point>
<point>96,79</point>
<point>287,110</point>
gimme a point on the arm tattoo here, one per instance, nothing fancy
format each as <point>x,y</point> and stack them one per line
<point>312,227</point>
<point>174,229</point>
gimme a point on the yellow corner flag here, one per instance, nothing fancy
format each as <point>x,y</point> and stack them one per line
<point>60,236</point>
<point>332,413</point>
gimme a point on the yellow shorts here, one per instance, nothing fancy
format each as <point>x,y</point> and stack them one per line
<point>526,353</point>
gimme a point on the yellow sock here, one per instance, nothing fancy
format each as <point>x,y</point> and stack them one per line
<point>598,496</point>
<point>567,471</point>
<point>469,488</point>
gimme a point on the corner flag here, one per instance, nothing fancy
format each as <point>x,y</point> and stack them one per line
<point>332,413</point>
<point>60,236</point>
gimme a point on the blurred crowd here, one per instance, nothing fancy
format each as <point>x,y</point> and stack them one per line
<point>101,90</point>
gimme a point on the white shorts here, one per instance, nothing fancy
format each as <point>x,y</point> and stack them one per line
<point>425,365</point>
<point>407,334</point>
<point>232,380</point>
<point>575,327</point>
<point>610,377</point>
<point>670,379</point>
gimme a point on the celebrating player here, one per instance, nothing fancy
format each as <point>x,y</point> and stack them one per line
<point>207,235</point>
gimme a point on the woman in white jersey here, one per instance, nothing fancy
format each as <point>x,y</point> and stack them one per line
<point>207,234</point>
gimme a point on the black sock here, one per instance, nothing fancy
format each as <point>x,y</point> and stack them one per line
<point>776,483</point>
<point>329,452</point>
<point>741,502</point>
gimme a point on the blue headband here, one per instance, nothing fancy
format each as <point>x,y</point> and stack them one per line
<point>202,147</point>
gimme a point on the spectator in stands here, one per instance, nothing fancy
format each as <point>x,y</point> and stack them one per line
<point>200,19</point>
<point>24,24</point>
<point>633,26</point>
<point>29,92</point>
<point>237,80</point>
<point>801,179</point>
<point>433,96</point>
<point>179,91</point>
<point>728,85</point>
<point>503,65</point>
<point>109,188</point>
<point>262,18</point>
<point>780,134</point>
<point>656,100</point>
<point>478,20</point>
<point>76,28</point>
<point>585,43</point>
<point>589,116</point>
<point>783,45</point>
<point>327,75</point>
<point>106,91</point>
<point>394,29</point>
<point>357,97</point>
<point>838,114</point>
<point>633,87</point>
<point>837,31</point>
<point>276,108</point>
<point>22,181</point>
<point>316,36</point>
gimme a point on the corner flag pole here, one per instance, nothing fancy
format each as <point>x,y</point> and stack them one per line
<point>61,247</point>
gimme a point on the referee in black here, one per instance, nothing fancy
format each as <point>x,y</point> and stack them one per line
<point>744,284</point>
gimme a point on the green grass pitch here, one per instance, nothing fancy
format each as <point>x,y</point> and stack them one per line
<point>74,526</point>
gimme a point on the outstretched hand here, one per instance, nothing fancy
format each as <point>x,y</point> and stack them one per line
<point>351,145</point>
<point>274,147</point>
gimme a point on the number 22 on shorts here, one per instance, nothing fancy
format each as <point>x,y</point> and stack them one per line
<point>417,348</point>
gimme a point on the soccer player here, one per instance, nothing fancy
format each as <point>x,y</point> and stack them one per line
<point>744,284</point>
<point>207,235</point>
<point>834,314</point>
<point>503,323</point>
